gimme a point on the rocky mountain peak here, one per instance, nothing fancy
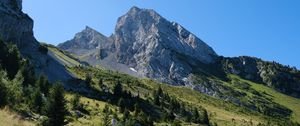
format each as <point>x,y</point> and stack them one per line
<point>146,44</point>
<point>155,47</point>
<point>84,41</point>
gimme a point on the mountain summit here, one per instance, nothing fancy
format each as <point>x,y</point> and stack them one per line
<point>147,45</point>
<point>84,41</point>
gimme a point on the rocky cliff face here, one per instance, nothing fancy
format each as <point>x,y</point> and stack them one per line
<point>16,27</point>
<point>154,47</point>
<point>147,45</point>
<point>84,41</point>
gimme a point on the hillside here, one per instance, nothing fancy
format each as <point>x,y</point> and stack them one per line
<point>149,72</point>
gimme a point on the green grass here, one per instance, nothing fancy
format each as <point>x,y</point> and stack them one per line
<point>222,112</point>
<point>62,57</point>
<point>285,100</point>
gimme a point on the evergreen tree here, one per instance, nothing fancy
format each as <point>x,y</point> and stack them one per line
<point>13,61</point>
<point>196,116</point>
<point>37,101</point>
<point>156,99</point>
<point>106,119</point>
<point>15,90</point>
<point>88,79</point>
<point>100,83</point>
<point>56,106</point>
<point>76,102</point>
<point>118,90</point>
<point>28,73</point>
<point>121,104</point>
<point>205,119</point>
<point>160,91</point>
<point>126,115</point>
<point>43,84</point>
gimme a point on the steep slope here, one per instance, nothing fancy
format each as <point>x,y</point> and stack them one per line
<point>84,42</point>
<point>147,45</point>
<point>153,46</point>
<point>282,78</point>
<point>16,27</point>
<point>253,102</point>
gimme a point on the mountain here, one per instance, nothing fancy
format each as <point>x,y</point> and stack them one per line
<point>147,45</point>
<point>214,90</point>
<point>85,41</point>
<point>16,28</point>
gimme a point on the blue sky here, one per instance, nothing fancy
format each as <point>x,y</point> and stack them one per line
<point>268,29</point>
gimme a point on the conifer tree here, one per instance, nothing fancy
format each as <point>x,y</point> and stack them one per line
<point>56,106</point>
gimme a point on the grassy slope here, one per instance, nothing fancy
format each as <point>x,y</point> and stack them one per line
<point>62,57</point>
<point>221,112</point>
<point>285,100</point>
<point>8,118</point>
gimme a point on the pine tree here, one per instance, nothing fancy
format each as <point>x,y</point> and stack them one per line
<point>118,90</point>
<point>106,119</point>
<point>88,79</point>
<point>100,83</point>
<point>13,61</point>
<point>37,101</point>
<point>196,116</point>
<point>28,73</point>
<point>15,90</point>
<point>56,106</point>
<point>43,84</point>
<point>121,104</point>
<point>205,119</point>
<point>76,102</point>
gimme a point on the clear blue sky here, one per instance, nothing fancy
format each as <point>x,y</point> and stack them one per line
<point>268,29</point>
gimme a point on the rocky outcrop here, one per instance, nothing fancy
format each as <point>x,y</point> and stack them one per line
<point>282,78</point>
<point>155,47</point>
<point>84,42</point>
<point>16,28</point>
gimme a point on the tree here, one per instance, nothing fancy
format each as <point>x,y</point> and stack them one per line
<point>76,102</point>
<point>15,90</point>
<point>136,110</point>
<point>13,61</point>
<point>156,99</point>
<point>43,84</point>
<point>126,115</point>
<point>205,119</point>
<point>100,83</point>
<point>160,91</point>
<point>56,106</point>
<point>106,119</point>
<point>28,73</point>
<point>88,79</point>
<point>118,90</point>
<point>121,104</point>
<point>196,116</point>
<point>37,101</point>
